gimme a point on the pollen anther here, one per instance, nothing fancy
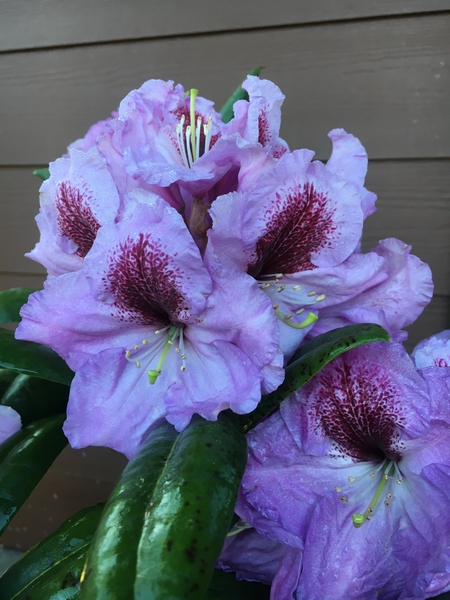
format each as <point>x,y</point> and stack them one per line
<point>320,298</point>
<point>311,294</point>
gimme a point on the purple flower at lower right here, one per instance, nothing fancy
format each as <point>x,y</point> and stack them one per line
<point>347,486</point>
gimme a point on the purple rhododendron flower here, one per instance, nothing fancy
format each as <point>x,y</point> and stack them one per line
<point>352,476</point>
<point>10,422</point>
<point>153,331</point>
<point>434,351</point>
<point>298,231</point>
<point>79,197</point>
<point>150,144</point>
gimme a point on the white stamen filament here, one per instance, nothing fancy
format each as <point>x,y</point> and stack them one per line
<point>197,138</point>
<point>181,145</point>
<point>183,354</point>
<point>188,145</point>
<point>207,130</point>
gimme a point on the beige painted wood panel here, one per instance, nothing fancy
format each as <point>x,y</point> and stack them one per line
<point>11,280</point>
<point>413,205</point>
<point>385,80</point>
<point>19,203</point>
<point>435,318</point>
<point>46,23</point>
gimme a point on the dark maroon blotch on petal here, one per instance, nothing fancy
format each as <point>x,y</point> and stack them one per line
<point>264,137</point>
<point>302,227</point>
<point>359,408</point>
<point>143,281</point>
<point>75,218</point>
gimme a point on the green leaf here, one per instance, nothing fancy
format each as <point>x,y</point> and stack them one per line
<point>190,511</point>
<point>239,94</point>
<point>63,584</point>
<point>310,359</point>
<point>32,359</point>
<point>35,398</point>
<point>42,173</point>
<point>11,301</point>
<point>24,465</point>
<point>6,379</point>
<point>225,586</point>
<point>49,561</point>
<point>111,562</point>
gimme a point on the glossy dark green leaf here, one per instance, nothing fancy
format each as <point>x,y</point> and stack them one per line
<point>32,359</point>
<point>11,301</point>
<point>239,94</point>
<point>26,463</point>
<point>310,359</point>
<point>190,511</point>
<point>42,173</point>
<point>11,443</point>
<point>49,559</point>
<point>225,586</point>
<point>62,584</point>
<point>111,562</point>
<point>35,398</point>
<point>6,379</point>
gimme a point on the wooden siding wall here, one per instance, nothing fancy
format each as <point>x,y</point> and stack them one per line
<point>378,68</point>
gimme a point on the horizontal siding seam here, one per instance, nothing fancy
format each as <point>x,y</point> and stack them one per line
<point>223,32</point>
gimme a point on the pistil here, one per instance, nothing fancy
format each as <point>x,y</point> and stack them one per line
<point>360,518</point>
<point>194,94</point>
<point>153,346</point>
<point>189,139</point>
<point>310,319</point>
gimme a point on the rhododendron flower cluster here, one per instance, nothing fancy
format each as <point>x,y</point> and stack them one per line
<point>348,484</point>
<point>188,258</point>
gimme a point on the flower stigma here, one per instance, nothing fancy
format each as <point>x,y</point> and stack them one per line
<point>158,345</point>
<point>388,471</point>
<point>281,287</point>
<point>189,138</point>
